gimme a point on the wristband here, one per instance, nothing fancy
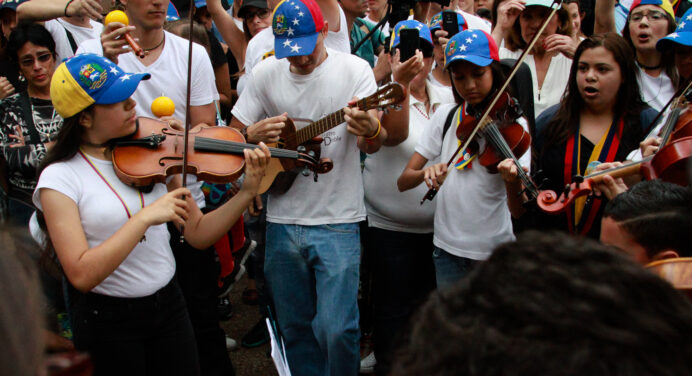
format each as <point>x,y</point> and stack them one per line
<point>66,6</point>
<point>379,128</point>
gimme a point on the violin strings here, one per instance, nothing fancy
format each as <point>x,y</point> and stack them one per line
<point>238,147</point>
<point>502,146</point>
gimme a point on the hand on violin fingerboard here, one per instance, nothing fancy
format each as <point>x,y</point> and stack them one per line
<point>609,186</point>
<point>256,161</point>
<point>508,170</point>
<point>650,146</point>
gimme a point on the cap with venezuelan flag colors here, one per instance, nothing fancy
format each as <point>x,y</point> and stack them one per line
<point>87,79</point>
<point>296,25</point>
<point>423,32</point>
<point>474,46</point>
<point>664,4</point>
<point>681,36</point>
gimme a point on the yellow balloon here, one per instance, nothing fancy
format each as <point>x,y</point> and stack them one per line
<point>162,106</point>
<point>116,16</point>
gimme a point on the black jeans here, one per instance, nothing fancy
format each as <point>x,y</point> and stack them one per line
<point>403,276</point>
<point>150,335</point>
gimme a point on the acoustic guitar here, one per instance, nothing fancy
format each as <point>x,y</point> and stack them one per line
<point>281,173</point>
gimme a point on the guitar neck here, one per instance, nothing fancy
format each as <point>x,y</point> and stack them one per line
<point>326,123</point>
<point>618,172</point>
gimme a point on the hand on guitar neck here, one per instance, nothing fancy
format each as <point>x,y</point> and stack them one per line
<point>267,130</point>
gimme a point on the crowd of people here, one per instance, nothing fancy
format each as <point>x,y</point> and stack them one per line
<point>431,240</point>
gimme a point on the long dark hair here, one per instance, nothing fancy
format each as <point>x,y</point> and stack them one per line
<point>515,41</point>
<point>667,57</point>
<point>628,104</point>
<point>68,141</point>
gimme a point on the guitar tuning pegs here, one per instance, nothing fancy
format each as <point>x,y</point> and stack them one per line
<point>312,154</point>
<point>305,172</point>
<point>301,149</point>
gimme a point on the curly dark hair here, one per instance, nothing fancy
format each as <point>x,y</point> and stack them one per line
<point>629,102</point>
<point>657,215</point>
<point>550,304</point>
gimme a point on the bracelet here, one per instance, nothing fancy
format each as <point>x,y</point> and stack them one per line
<point>379,128</point>
<point>66,6</point>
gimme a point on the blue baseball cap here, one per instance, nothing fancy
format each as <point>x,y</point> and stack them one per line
<point>474,46</point>
<point>200,3</point>
<point>87,79</point>
<point>682,34</point>
<point>436,22</point>
<point>296,25</point>
<point>11,4</point>
<point>423,32</point>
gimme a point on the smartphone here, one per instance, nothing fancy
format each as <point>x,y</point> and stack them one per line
<point>409,42</point>
<point>450,23</point>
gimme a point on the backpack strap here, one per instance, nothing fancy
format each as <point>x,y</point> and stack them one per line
<point>448,122</point>
<point>70,38</point>
<point>27,113</point>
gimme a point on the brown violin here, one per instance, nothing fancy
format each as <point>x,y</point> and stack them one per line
<point>215,154</point>
<point>677,271</point>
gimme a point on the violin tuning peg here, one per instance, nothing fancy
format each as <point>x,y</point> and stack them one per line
<point>312,154</point>
<point>305,172</point>
<point>301,149</point>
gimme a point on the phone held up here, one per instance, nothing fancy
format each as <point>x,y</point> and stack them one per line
<point>450,23</point>
<point>409,42</point>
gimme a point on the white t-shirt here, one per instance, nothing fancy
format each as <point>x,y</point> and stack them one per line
<point>168,75</point>
<point>337,197</point>
<point>150,265</point>
<point>471,216</point>
<point>262,45</point>
<point>57,27</point>
<point>656,91</point>
<point>554,83</point>
<point>388,208</point>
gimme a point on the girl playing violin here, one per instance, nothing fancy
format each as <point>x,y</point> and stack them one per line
<point>111,239</point>
<point>472,213</point>
<point>601,119</point>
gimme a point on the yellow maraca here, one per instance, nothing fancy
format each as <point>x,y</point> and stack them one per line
<point>120,16</point>
<point>162,106</point>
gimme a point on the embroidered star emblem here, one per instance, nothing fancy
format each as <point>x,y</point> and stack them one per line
<point>301,14</point>
<point>289,31</point>
<point>287,43</point>
<point>469,40</point>
<point>689,18</point>
<point>114,70</point>
<point>295,48</point>
<point>419,27</point>
<point>475,36</point>
<point>297,7</point>
<point>462,48</point>
<point>295,21</point>
<point>682,25</point>
<point>674,35</point>
<point>125,77</point>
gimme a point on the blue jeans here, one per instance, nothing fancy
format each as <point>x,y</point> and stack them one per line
<point>312,273</point>
<point>449,268</point>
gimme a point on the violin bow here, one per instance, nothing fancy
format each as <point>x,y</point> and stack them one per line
<point>555,6</point>
<point>188,117</point>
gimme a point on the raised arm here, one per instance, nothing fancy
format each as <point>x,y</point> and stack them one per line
<point>605,16</point>
<point>232,35</point>
<point>331,13</point>
<point>44,10</point>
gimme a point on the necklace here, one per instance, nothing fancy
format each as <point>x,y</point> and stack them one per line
<point>158,45</point>
<point>127,210</point>
<point>648,67</point>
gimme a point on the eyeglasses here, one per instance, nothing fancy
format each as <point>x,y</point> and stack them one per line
<point>28,61</point>
<point>261,13</point>
<point>652,15</point>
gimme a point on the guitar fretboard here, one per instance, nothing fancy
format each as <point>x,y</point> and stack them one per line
<point>326,123</point>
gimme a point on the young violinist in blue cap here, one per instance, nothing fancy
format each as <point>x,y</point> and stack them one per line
<point>472,214</point>
<point>111,239</point>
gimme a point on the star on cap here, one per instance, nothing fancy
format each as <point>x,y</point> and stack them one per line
<point>125,77</point>
<point>462,48</point>
<point>682,25</point>
<point>674,35</point>
<point>301,14</point>
<point>689,18</point>
<point>295,21</point>
<point>297,7</point>
<point>475,35</point>
<point>287,43</point>
<point>114,70</point>
<point>289,31</point>
<point>469,40</point>
<point>295,48</point>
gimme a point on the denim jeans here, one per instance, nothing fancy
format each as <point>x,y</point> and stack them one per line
<point>312,275</point>
<point>449,268</point>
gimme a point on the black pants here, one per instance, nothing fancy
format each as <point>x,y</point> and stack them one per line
<point>403,276</point>
<point>151,335</point>
<point>198,273</point>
